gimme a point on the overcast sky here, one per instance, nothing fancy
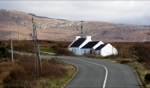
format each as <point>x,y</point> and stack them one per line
<point>126,12</point>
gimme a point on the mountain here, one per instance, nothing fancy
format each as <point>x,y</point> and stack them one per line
<point>63,30</point>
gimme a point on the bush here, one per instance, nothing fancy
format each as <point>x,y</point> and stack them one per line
<point>1,70</point>
<point>124,61</point>
<point>147,78</point>
<point>27,46</point>
<point>15,79</point>
<point>4,52</point>
<point>141,51</point>
<point>13,86</point>
<point>62,51</point>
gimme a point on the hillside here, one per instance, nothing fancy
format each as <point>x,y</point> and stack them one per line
<point>64,30</point>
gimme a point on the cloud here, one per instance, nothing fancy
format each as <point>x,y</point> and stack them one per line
<point>129,12</point>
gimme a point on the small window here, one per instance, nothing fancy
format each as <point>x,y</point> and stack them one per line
<point>84,51</point>
<point>74,50</point>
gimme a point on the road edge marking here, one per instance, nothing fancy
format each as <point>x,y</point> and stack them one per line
<point>106,71</point>
<point>73,75</point>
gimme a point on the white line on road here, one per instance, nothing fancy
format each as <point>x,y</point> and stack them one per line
<point>106,71</point>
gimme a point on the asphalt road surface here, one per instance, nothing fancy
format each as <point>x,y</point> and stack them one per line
<point>94,73</point>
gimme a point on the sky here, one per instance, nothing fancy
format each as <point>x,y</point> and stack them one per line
<point>119,12</point>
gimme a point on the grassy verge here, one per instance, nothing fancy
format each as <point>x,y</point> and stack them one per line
<point>56,82</point>
<point>46,49</point>
<point>141,71</point>
<point>138,67</point>
<point>21,73</point>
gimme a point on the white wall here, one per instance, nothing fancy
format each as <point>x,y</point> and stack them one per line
<point>78,49</point>
<point>83,51</point>
<point>75,50</point>
<point>108,50</point>
<point>97,52</point>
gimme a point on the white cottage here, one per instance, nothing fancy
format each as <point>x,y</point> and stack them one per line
<point>78,43</point>
<point>82,46</point>
<point>106,50</point>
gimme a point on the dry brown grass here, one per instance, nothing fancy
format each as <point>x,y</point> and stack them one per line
<point>21,73</point>
<point>134,50</point>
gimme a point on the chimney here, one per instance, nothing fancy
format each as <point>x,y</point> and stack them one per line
<point>77,37</point>
<point>88,38</point>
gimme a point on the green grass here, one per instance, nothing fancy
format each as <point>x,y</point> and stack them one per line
<point>47,49</point>
<point>56,82</point>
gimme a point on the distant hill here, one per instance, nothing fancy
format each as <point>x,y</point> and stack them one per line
<point>64,30</point>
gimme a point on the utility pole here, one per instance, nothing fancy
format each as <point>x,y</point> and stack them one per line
<point>12,53</point>
<point>18,33</point>
<point>38,60</point>
<point>82,29</point>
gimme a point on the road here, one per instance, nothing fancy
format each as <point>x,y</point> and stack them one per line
<point>96,73</point>
<point>92,74</point>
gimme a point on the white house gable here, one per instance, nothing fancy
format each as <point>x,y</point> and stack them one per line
<point>106,50</point>
<point>78,43</point>
<point>82,46</point>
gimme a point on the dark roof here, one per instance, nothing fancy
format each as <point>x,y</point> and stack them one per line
<point>78,42</point>
<point>90,44</point>
<point>100,47</point>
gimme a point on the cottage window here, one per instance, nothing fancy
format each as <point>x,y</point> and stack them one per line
<point>84,51</point>
<point>74,50</point>
<point>99,53</point>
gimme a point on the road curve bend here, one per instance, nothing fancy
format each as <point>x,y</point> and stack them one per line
<point>95,73</point>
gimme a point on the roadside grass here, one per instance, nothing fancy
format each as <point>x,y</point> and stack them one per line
<point>138,67</point>
<point>136,55</point>
<point>56,82</point>
<point>21,73</point>
<point>141,71</point>
<point>47,49</point>
<point>5,66</point>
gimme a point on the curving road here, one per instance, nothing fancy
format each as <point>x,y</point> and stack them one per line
<point>94,73</point>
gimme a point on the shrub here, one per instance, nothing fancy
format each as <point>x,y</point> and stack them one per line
<point>147,78</point>
<point>27,46</point>
<point>13,86</point>
<point>1,70</point>
<point>28,64</point>
<point>124,61</point>
<point>21,75</point>
<point>16,76</point>
<point>53,68</point>
<point>62,51</point>
<point>141,51</point>
<point>4,52</point>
